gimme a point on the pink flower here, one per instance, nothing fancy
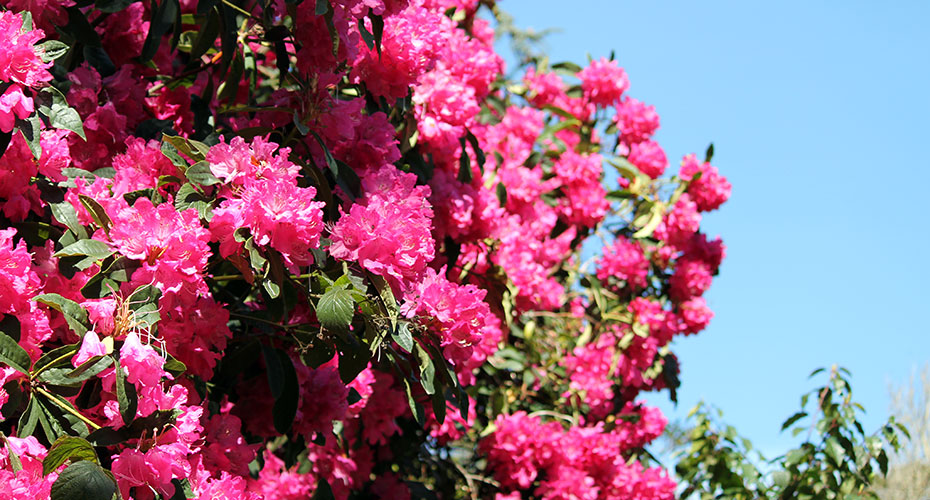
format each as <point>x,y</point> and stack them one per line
<point>636,121</point>
<point>695,314</point>
<point>604,82</point>
<point>141,363</point>
<point>691,279</point>
<point>387,231</point>
<point>648,157</point>
<point>623,261</point>
<point>711,189</point>
<point>90,347</point>
<point>14,104</point>
<point>19,61</point>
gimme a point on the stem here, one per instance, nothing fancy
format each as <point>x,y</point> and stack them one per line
<point>241,10</point>
<point>36,373</point>
<point>66,407</point>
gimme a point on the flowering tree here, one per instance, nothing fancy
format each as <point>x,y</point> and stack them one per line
<point>291,248</point>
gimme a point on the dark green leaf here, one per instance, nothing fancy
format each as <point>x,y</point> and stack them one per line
<point>465,174</point>
<point>68,448</point>
<point>792,419</point>
<point>94,250</point>
<point>164,16</point>
<point>52,49</point>
<point>403,337</point>
<point>336,309</point>
<point>74,314</point>
<point>502,194</point>
<point>415,407</point>
<point>427,370</point>
<point>31,129</point>
<point>10,325</point>
<point>97,212</point>
<point>66,118</point>
<point>200,173</point>
<point>126,396</point>
<point>206,37</point>
<point>322,6</point>
<point>275,371</point>
<point>285,407</point>
<point>60,356</point>
<point>29,419</point>
<point>709,154</point>
<point>13,355</point>
<point>112,6</point>
<point>84,481</point>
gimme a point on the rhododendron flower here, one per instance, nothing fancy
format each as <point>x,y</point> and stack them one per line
<point>90,347</point>
<point>19,61</point>
<point>14,104</point>
<point>387,231</point>
<point>648,157</point>
<point>624,261</point>
<point>636,121</point>
<point>711,189</point>
<point>604,82</point>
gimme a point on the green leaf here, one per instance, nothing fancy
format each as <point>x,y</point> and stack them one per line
<point>415,408</point>
<point>111,6</point>
<point>52,49</point>
<point>163,18</point>
<point>11,326</point>
<point>68,448</point>
<point>59,356</point>
<point>336,309</point>
<point>68,377</point>
<point>126,395</point>
<point>31,129</point>
<point>321,7</point>
<point>94,251</point>
<point>230,86</point>
<point>709,154</point>
<point>285,407</point>
<point>74,314</point>
<point>66,118</point>
<point>781,478</point>
<point>501,194</point>
<point>13,355</point>
<point>479,154</point>
<point>29,419</point>
<point>84,481</point>
<point>97,212</point>
<point>465,175</point>
<point>377,27</point>
<point>402,336</point>
<point>200,174</point>
<point>427,370</point>
<point>15,463</point>
<point>792,419</point>
<point>275,371</point>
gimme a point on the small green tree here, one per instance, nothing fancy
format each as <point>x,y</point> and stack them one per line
<point>837,460</point>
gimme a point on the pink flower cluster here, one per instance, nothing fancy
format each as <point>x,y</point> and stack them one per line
<point>584,462</point>
<point>20,66</point>
<point>387,231</point>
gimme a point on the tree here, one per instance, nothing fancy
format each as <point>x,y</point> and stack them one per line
<point>283,249</point>
<point>909,472</point>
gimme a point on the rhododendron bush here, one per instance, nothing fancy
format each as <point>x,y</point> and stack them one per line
<point>293,248</point>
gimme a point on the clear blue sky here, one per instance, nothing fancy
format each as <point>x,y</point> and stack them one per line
<point>819,115</point>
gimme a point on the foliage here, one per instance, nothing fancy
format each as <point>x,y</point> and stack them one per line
<point>837,458</point>
<point>909,471</point>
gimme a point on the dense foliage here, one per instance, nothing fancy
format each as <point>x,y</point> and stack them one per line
<point>292,248</point>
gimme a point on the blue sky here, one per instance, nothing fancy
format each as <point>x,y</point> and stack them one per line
<point>819,115</point>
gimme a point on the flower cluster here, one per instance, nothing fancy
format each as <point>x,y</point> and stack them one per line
<point>325,248</point>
